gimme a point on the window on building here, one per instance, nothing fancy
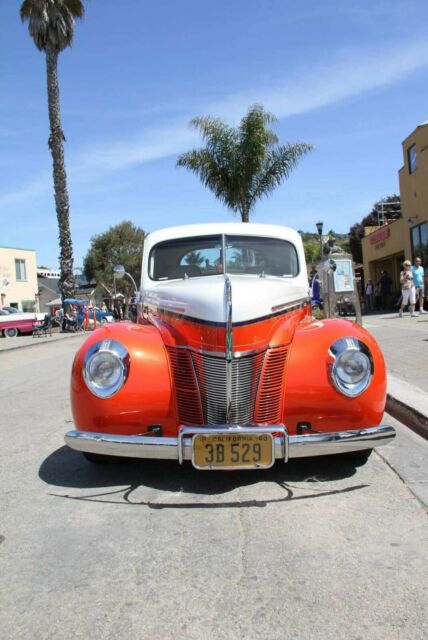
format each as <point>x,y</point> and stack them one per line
<point>20,270</point>
<point>412,158</point>
<point>419,236</point>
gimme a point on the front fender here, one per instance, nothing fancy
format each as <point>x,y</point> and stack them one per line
<point>309,394</point>
<point>146,399</point>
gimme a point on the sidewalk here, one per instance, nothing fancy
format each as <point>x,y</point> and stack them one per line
<point>404,342</point>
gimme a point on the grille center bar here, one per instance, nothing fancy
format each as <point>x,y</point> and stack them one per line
<point>229,345</point>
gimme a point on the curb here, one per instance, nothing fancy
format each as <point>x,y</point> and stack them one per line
<point>409,416</point>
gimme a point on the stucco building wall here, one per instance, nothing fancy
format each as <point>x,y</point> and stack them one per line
<point>18,278</point>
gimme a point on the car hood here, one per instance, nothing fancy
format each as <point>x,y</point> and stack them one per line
<point>203,298</point>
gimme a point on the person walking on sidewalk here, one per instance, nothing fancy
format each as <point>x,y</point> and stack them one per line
<point>418,279</point>
<point>369,295</point>
<point>408,291</point>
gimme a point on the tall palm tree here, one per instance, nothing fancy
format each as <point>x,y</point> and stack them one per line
<point>242,164</point>
<point>51,25</point>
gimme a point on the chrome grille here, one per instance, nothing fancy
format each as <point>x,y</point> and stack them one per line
<point>201,392</point>
<point>270,392</point>
<point>211,375</point>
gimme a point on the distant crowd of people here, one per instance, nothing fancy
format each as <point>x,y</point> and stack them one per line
<point>378,295</point>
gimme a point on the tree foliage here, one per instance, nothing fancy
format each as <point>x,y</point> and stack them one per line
<point>121,244</point>
<point>312,252</point>
<point>242,164</point>
<point>392,211</point>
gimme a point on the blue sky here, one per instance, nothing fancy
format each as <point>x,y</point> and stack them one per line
<point>351,77</point>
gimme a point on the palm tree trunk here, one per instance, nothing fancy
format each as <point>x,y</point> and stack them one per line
<point>245,212</point>
<point>56,138</point>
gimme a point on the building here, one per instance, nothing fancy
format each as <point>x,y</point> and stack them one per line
<point>385,247</point>
<point>48,292</point>
<point>18,278</point>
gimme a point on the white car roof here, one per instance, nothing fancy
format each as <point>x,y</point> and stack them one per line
<point>217,228</point>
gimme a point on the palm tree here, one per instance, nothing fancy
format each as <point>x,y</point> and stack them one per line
<point>51,25</point>
<point>242,164</point>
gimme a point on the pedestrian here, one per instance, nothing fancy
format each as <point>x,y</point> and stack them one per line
<point>378,296</point>
<point>369,291</point>
<point>407,289</point>
<point>385,285</point>
<point>418,279</point>
<point>116,311</point>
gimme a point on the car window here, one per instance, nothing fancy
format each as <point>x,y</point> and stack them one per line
<point>202,256</point>
<point>271,256</point>
<point>186,257</point>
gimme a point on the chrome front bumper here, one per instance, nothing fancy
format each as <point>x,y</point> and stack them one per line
<point>180,449</point>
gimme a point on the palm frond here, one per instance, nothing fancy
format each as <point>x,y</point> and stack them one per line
<point>51,22</point>
<point>241,164</point>
<point>277,167</point>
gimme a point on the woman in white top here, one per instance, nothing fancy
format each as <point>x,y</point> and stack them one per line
<point>408,290</point>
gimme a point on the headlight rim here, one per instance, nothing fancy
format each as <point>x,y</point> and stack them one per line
<point>347,344</point>
<point>120,353</point>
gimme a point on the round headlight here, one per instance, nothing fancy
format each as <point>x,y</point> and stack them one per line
<point>105,368</point>
<point>352,368</point>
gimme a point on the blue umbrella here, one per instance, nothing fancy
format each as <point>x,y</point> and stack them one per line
<point>79,303</point>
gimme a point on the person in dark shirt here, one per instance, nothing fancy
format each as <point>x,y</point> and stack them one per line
<point>385,288</point>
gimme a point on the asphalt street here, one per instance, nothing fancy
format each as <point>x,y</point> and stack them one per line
<point>315,549</point>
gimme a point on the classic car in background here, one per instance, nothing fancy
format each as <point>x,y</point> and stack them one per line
<point>78,311</point>
<point>13,323</point>
<point>226,367</point>
<point>101,316</point>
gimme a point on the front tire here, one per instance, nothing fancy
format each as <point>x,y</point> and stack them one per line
<point>11,332</point>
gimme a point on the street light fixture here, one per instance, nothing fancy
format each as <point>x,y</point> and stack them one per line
<point>319,226</point>
<point>119,272</point>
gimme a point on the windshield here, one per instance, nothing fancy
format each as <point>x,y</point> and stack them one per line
<point>203,256</point>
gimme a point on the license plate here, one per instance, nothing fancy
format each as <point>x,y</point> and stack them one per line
<point>233,451</point>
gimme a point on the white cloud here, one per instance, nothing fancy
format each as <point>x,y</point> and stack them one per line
<point>324,84</point>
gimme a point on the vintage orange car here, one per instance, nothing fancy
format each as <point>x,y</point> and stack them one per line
<point>226,367</point>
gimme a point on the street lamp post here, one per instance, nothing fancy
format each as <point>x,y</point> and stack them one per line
<point>319,229</point>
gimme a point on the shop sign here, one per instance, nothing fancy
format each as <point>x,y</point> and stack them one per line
<point>381,234</point>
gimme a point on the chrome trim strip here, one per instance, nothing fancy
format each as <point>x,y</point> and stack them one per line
<point>228,346</point>
<point>228,317</point>
<point>181,448</point>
